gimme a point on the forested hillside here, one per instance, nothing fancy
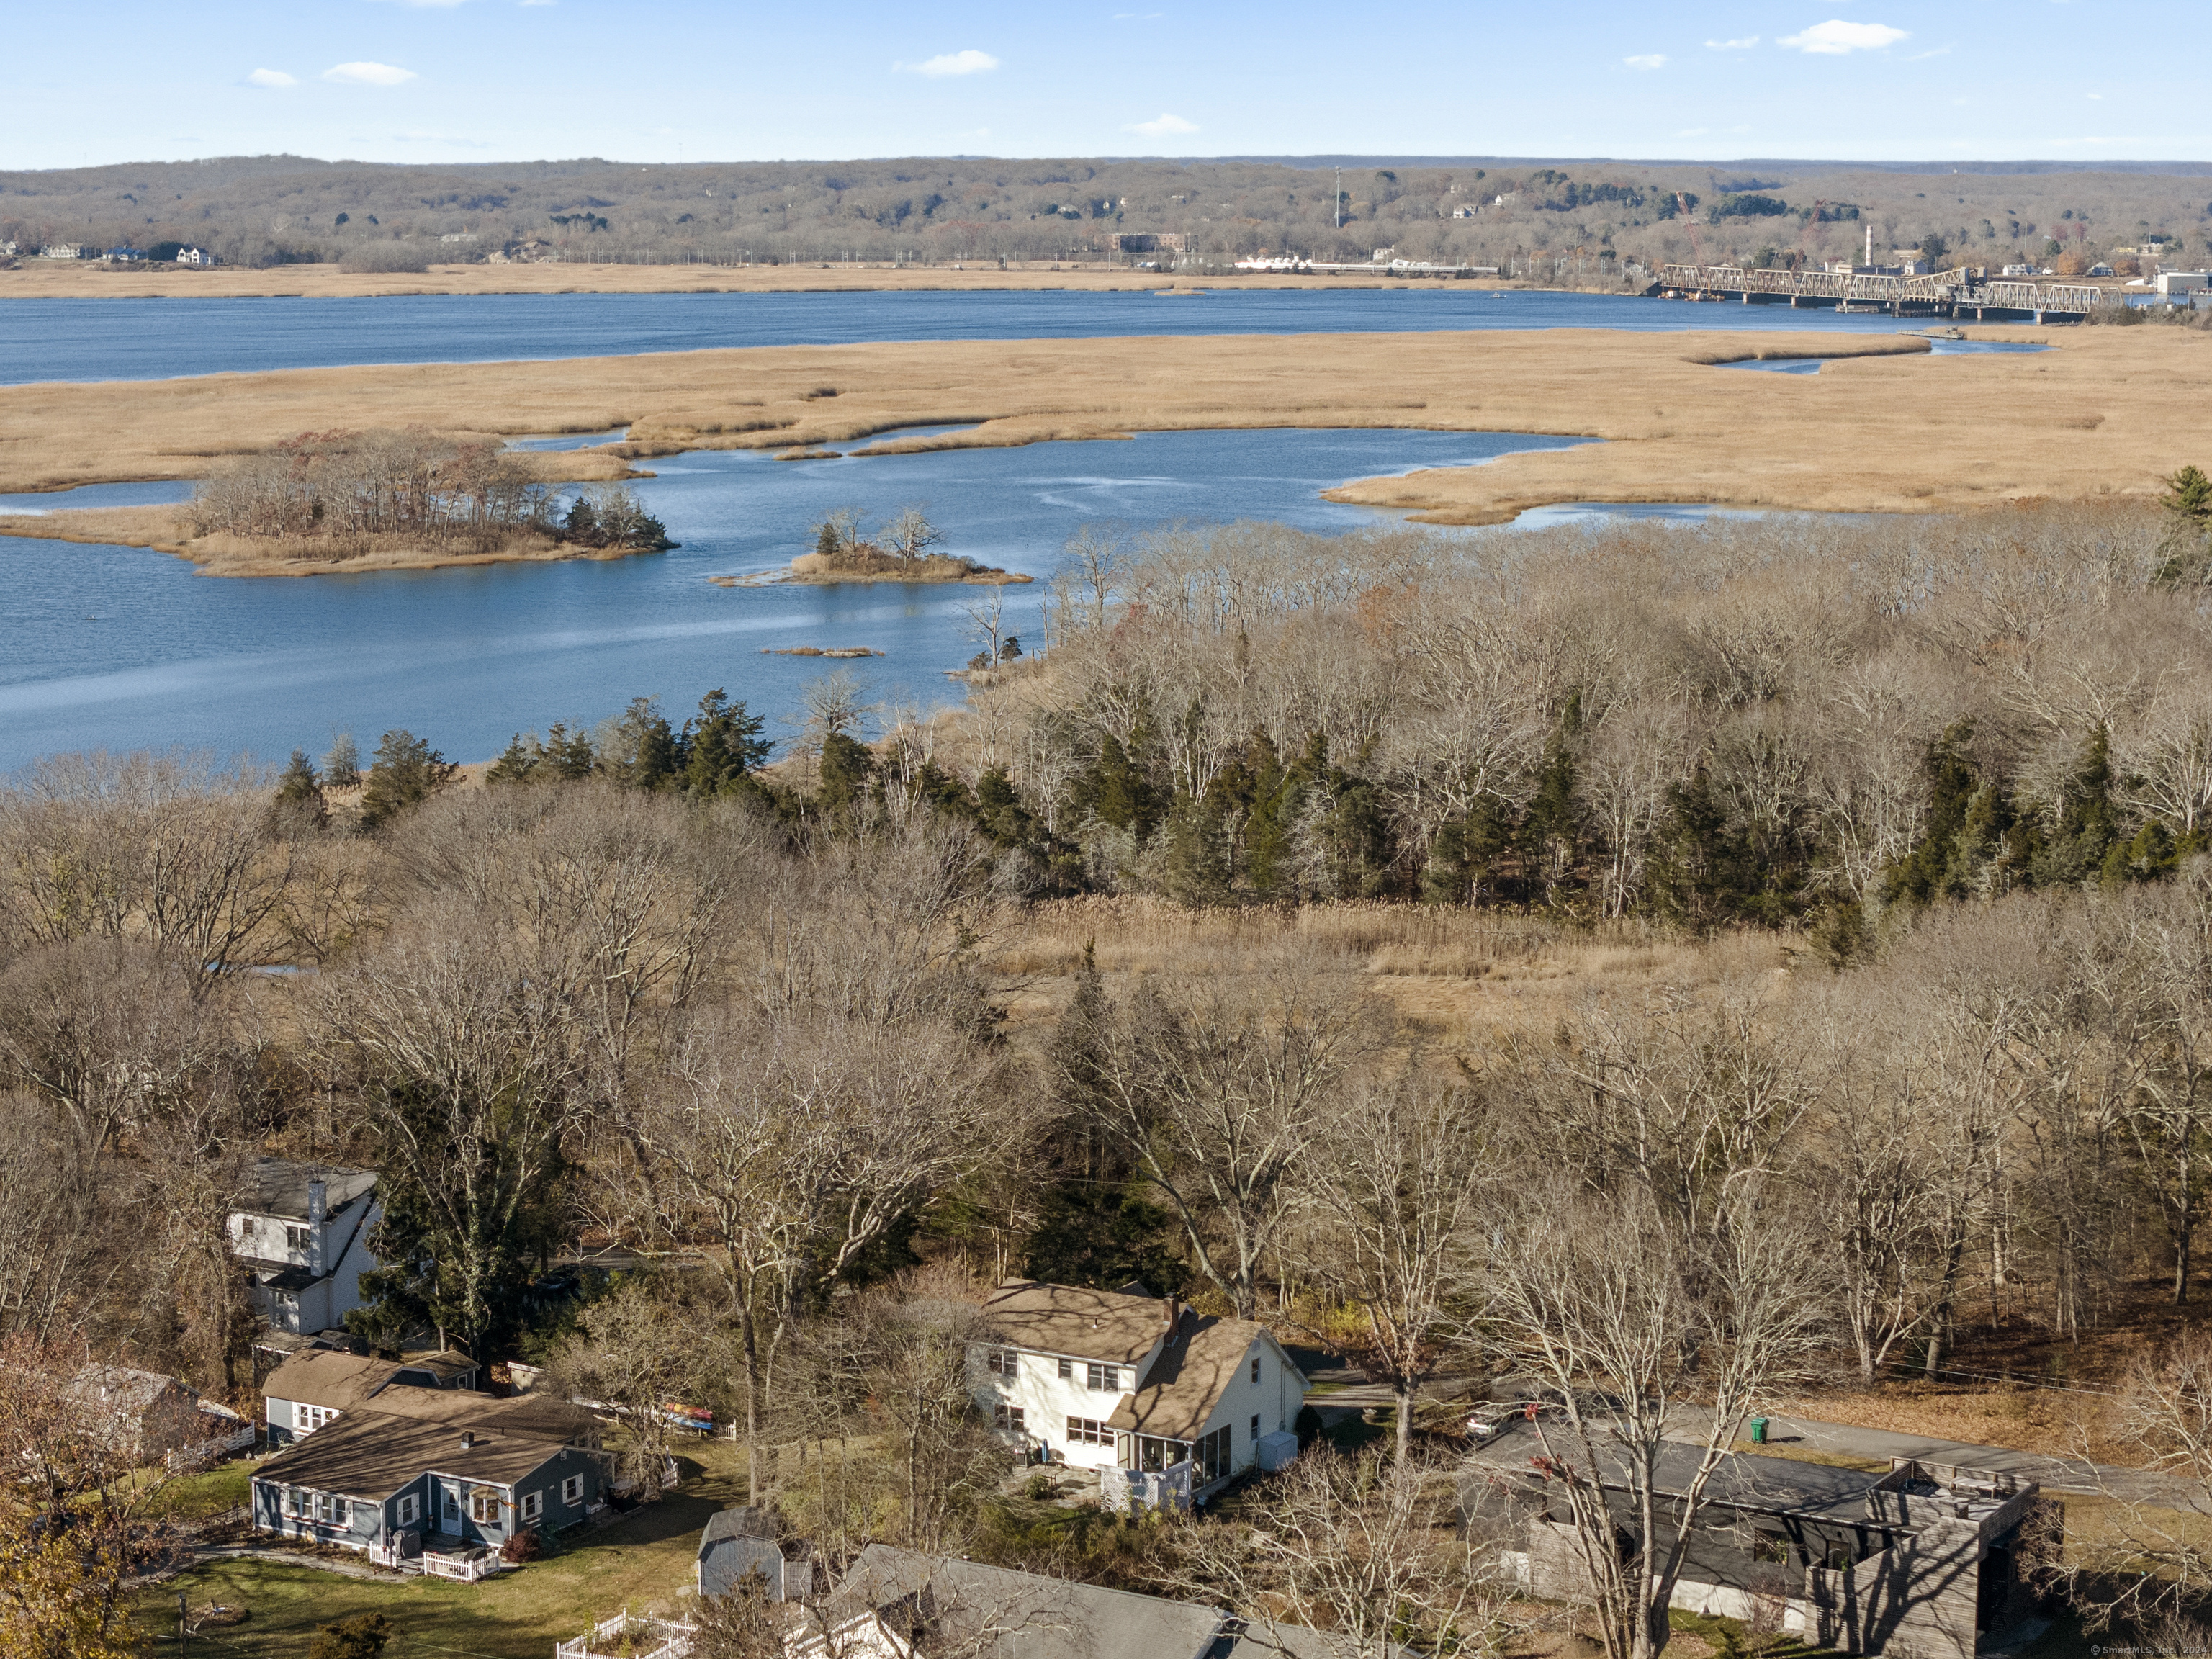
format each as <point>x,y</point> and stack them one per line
<point>266,210</point>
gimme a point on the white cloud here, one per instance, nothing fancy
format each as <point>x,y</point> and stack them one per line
<point>1835,37</point>
<point>952,63</point>
<point>1163,127</point>
<point>1647,60</point>
<point>367,75</point>
<point>1744,45</point>
<point>271,78</point>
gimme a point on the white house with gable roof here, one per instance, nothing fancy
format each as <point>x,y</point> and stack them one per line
<point>1170,1404</point>
<point>302,1230</point>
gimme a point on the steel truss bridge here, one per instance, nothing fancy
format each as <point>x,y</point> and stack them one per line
<point>1963,293</point>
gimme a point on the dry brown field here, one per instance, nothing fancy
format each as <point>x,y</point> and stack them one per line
<point>82,279</point>
<point>1883,429</point>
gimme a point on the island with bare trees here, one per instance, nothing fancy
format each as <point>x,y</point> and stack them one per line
<point>905,550</point>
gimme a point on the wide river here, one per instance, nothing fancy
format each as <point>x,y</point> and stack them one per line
<point>152,340</point>
<point>121,648</point>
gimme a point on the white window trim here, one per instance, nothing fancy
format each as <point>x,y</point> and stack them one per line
<point>409,1508</point>
<point>533,1505</point>
<point>572,1489</point>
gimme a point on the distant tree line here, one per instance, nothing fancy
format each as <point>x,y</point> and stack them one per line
<point>273,210</point>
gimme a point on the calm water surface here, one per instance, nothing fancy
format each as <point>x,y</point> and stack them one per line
<point>121,649</point>
<point>154,338</point>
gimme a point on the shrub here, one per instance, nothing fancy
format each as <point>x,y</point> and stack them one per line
<point>362,1637</point>
<point>523,1545</point>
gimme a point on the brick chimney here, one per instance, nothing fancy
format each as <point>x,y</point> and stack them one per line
<point>1174,1313</point>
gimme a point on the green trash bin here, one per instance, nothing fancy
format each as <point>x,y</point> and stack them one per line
<point>1757,1430</point>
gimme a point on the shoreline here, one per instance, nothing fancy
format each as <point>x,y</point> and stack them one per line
<point>157,530</point>
<point>1886,427</point>
<point>35,279</point>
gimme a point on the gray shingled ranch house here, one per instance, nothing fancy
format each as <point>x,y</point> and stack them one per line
<point>392,1463</point>
<point>1923,1562</point>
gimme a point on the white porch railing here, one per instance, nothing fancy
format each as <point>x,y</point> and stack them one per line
<point>619,1637</point>
<point>476,1563</point>
<point>1131,1491</point>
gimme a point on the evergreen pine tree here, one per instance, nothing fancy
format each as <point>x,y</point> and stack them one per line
<point>723,744</point>
<point>300,794</point>
<point>406,770</point>
<point>341,766</point>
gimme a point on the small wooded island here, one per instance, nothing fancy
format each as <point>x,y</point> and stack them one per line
<point>340,499</point>
<point>903,551</point>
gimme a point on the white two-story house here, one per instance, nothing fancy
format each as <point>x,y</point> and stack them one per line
<point>1167,1403</point>
<point>302,1230</point>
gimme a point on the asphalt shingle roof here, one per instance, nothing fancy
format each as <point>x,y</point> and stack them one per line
<point>1076,1320</point>
<point>1006,1614</point>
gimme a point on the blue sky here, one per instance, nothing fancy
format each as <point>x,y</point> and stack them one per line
<point>96,80</point>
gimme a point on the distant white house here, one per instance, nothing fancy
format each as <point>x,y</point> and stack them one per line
<point>61,251</point>
<point>302,1230</point>
<point>195,256</point>
<point>2183,281</point>
<point>1167,1403</point>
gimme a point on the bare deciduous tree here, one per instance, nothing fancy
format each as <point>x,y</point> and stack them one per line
<point>1648,1332</point>
<point>1396,1195</point>
<point>1366,1550</point>
<point>1221,1094</point>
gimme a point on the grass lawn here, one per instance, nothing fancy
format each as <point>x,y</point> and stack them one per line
<point>211,1492</point>
<point>644,1558</point>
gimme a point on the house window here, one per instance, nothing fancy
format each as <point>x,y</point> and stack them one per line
<point>1155,1456</point>
<point>1771,1546</point>
<point>1107,1378</point>
<point>1210,1459</point>
<point>1088,1432</point>
<point>452,1505</point>
<point>407,1509</point>
<point>1840,1558</point>
<point>295,1238</point>
<point>1067,1371</point>
<point>533,1505</point>
<point>1256,1428</point>
<point>572,1490</point>
<point>306,1420</point>
<point>331,1511</point>
<point>1009,1419</point>
<point>1255,1368</point>
<point>1001,1362</point>
<point>484,1506</point>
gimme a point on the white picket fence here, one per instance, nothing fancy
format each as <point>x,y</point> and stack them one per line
<point>620,1635</point>
<point>479,1563</point>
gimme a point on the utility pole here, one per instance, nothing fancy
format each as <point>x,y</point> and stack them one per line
<point>1336,202</point>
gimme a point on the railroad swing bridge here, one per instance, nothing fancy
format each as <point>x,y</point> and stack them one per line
<point>1963,293</point>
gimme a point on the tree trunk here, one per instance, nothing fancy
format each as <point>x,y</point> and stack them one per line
<point>2185,1225</point>
<point>752,1403</point>
<point>1405,1395</point>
